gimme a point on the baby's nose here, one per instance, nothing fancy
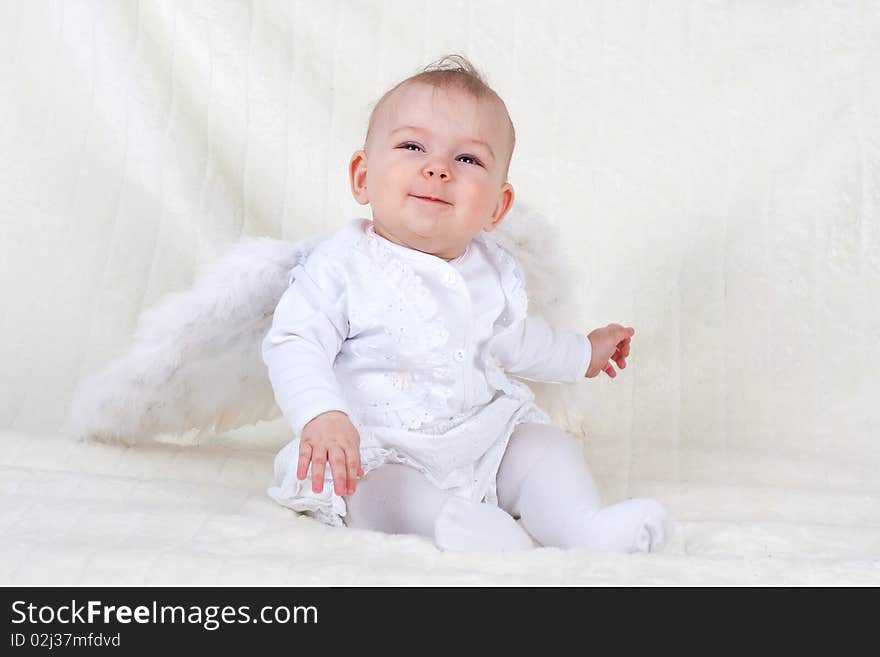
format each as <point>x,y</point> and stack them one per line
<point>431,171</point>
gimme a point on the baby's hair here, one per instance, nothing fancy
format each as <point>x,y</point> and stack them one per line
<point>450,72</point>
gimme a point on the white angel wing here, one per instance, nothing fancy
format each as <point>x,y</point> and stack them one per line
<point>195,362</point>
<point>538,246</point>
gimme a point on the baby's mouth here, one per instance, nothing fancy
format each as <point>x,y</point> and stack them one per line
<point>430,199</point>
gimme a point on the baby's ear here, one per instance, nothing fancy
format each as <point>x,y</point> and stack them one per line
<point>505,202</point>
<point>357,176</point>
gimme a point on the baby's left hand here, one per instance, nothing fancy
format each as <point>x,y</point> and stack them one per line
<point>609,343</point>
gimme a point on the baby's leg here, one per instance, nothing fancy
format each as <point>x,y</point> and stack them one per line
<point>398,499</point>
<point>544,479</point>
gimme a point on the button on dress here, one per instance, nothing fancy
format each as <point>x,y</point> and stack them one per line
<point>418,352</point>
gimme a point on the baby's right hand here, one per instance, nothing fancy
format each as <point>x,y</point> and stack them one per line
<point>330,436</point>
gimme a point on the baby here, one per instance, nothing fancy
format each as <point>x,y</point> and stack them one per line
<point>389,353</point>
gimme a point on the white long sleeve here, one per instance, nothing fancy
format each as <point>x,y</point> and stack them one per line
<point>308,328</point>
<point>536,351</point>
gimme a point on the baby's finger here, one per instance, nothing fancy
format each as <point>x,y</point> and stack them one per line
<point>337,467</point>
<point>354,466</point>
<point>622,333</point>
<point>319,459</point>
<point>609,370</point>
<point>305,455</point>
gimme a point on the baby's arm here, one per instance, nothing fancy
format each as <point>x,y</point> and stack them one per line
<point>308,328</point>
<point>534,350</point>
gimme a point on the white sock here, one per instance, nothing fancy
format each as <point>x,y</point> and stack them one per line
<point>639,525</point>
<point>544,480</point>
<point>466,525</point>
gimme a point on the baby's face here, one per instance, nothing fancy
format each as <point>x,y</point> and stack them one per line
<point>428,142</point>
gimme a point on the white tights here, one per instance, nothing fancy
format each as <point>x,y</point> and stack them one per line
<point>543,480</point>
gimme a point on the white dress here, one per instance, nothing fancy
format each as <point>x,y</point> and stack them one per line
<point>416,350</point>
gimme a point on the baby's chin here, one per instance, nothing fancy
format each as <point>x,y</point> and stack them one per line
<point>426,235</point>
<point>417,227</point>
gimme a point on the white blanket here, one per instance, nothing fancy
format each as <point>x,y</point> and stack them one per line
<point>714,171</point>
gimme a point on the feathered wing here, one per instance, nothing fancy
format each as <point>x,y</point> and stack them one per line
<point>538,246</point>
<point>195,361</point>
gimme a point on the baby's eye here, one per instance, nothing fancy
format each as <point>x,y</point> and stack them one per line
<point>408,144</point>
<point>469,157</point>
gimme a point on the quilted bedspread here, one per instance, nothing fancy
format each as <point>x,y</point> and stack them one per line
<point>712,167</point>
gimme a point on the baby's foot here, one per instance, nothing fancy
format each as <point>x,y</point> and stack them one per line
<point>640,525</point>
<point>466,525</point>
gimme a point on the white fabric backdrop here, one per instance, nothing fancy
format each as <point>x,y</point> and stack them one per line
<point>713,167</point>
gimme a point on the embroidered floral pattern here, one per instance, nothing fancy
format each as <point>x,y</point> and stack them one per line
<point>412,341</point>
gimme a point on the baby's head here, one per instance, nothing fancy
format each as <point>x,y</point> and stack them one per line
<point>441,134</point>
